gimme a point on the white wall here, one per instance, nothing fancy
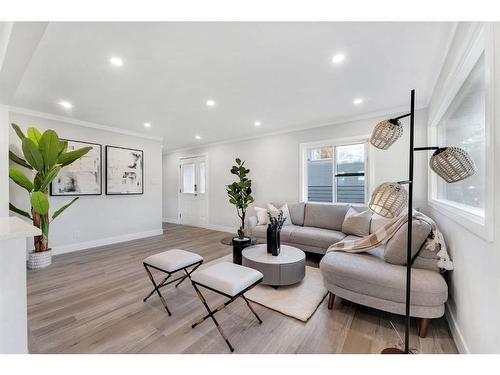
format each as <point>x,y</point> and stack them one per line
<point>274,163</point>
<point>97,220</point>
<point>4,161</point>
<point>475,283</point>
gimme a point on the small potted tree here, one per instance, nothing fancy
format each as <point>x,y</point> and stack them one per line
<point>44,156</point>
<point>240,195</point>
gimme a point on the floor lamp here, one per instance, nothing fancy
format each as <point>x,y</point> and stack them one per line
<point>453,164</point>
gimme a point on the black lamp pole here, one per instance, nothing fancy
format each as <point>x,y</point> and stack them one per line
<point>409,182</point>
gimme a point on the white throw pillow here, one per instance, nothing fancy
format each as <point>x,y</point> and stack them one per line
<point>262,218</point>
<point>275,212</point>
<point>356,222</point>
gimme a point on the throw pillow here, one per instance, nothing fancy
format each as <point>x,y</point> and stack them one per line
<point>262,218</point>
<point>357,223</point>
<point>275,212</point>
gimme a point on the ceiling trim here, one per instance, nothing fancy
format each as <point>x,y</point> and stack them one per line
<point>86,124</point>
<point>345,120</point>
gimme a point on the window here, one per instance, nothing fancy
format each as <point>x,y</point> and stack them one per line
<point>463,125</point>
<point>335,173</point>
<point>462,116</point>
<point>202,178</point>
<point>188,178</point>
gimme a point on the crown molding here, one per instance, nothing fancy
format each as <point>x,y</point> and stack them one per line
<point>86,124</point>
<point>345,120</point>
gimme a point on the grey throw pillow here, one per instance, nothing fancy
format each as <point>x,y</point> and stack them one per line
<point>357,223</point>
<point>395,249</point>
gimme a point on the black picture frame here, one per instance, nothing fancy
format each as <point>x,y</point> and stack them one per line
<point>84,143</point>
<point>108,147</point>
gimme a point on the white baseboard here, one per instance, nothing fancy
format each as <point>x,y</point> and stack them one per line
<point>455,331</point>
<point>104,241</point>
<point>169,220</point>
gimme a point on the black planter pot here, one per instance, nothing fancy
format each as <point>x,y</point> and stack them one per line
<point>238,245</point>
<point>273,240</point>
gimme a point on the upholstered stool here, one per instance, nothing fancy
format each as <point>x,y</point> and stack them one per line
<point>170,262</point>
<point>229,279</point>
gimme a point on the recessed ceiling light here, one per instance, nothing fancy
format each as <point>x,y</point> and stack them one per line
<point>116,61</point>
<point>257,123</point>
<point>65,104</point>
<point>147,124</point>
<point>338,58</point>
<point>197,137</point>
<point>210,103</point>
<point>357,101</point>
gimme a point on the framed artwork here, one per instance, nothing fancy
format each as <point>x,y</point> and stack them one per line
<point>124,171</point>
<point>84,176</point>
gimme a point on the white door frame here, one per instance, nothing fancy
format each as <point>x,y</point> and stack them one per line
<point>179,187</point>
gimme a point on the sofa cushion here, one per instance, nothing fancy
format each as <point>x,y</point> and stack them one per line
<point>369,275</point>
<point>275,211</point>
<point>357,222</point>
<point>260,231</point>
<point>327,216</point>
<point>296,211</point>
<point>395,249</point>
<point>378,222</point>
<point>317,237</point>
<point>261,213</point>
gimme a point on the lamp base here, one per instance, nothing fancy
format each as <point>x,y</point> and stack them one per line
<point>394,351</point>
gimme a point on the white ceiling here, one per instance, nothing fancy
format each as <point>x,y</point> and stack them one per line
<point>277,73</point>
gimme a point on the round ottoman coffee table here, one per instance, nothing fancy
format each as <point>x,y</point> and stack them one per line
<point>288,268</point>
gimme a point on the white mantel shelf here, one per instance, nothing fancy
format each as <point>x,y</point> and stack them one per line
<point>13,227</point>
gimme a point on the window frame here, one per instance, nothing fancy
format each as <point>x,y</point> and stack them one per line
<point>479,222</point>
<point>303,177</point>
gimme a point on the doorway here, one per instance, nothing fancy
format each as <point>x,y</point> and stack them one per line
<point>193,207</point>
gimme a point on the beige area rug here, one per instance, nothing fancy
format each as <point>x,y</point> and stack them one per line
<point>298,301</point>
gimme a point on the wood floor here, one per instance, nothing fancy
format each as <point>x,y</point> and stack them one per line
<point>91,302</point>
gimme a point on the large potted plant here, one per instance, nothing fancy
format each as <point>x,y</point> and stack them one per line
<point>44,156</point>
<point>240,193</point>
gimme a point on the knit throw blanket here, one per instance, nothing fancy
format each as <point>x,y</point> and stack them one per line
<point>435,241</point>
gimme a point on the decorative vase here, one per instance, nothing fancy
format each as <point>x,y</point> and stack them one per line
<point>41,259</point>
<point>273,240</point>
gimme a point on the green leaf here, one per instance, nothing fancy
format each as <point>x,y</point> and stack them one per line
<point>44,224</point>
<point>19,211</point>
<point>49,177</point>
<point>18,131</point>
<point>60,210</point>
<point>40,202</point>
<point>63,146</point>
<point>67,158</point>
<point>37,182</point>
<point>19,178</point>
<point>49,148</point>
<point>35,135</point>
<point>18,160</point>
<point>238,161</point>
<point>32,155</point>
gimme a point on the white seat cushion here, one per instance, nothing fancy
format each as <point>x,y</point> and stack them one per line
<point>228,278</point>
<point>173,260</point>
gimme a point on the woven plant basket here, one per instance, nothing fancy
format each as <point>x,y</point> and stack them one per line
<point>386,133</point>
<point>453,164</point>
<point>388,199</point>
<point>37,260</point>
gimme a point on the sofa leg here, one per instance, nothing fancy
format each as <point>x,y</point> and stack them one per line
<point>423,327</point>
<point>331,298</point>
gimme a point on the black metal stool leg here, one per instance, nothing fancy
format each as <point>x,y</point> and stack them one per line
<point>211,315</point>
<point>159,286</point>
<point>251,308</point>
<point>158,290</point>
<point>188,274</point>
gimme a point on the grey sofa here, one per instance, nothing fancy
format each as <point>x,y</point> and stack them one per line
<point>375,278</point>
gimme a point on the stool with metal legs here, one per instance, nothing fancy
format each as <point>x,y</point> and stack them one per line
<point>170,262</point>
<point>231,281</point>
